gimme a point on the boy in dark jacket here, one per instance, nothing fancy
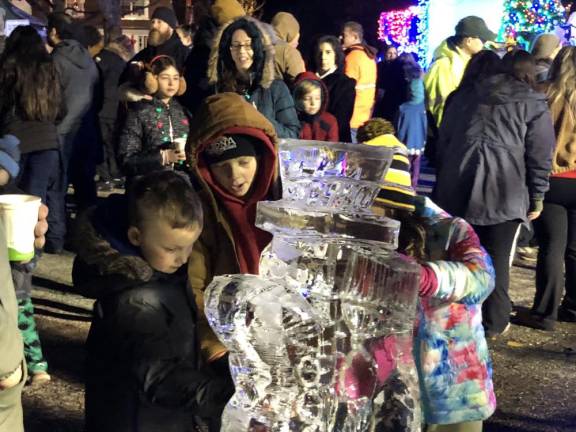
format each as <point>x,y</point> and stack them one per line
<point>144,370</point>
<point>311,99</point>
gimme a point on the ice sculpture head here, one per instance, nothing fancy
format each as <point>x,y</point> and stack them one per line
<point>268,331</point>
<point>332,175</point>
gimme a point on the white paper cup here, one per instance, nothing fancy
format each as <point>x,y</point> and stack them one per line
<point>180,144</point>
<point>20,216</point>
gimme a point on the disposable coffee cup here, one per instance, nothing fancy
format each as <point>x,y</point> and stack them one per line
<point>20,216</point>
<point>180,146</point>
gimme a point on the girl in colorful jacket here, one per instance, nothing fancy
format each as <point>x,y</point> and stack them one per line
<point>450,348</point>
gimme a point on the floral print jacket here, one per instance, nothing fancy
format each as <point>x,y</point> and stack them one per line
<point>451,352</point>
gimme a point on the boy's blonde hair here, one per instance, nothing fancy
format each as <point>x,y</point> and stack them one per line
<point>374,128</point>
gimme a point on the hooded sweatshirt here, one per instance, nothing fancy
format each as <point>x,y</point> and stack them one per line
<point>79,77</point>
<point>287,59</point>
<point>494,152</point>
<point>322,126</point>
<point>360,65</point>
<point>230,242</point>
<point>443,77</point>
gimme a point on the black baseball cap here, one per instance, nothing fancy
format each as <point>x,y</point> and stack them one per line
<point>473,26</point>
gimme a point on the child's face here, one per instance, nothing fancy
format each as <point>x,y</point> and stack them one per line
<point>164,248</point>
<point>168,83</point>
<point>327,56</point>
<point>236,175</point>
<point>312,101</point>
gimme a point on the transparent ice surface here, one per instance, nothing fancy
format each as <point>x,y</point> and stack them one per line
<point>337,175</point>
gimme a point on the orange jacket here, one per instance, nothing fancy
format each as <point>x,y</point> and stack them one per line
<point>361,66</point>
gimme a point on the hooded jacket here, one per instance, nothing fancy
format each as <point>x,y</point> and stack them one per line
<point>147,130</point>
<point>360,64</point>
<point>321,126</point>
<point>230,242</point>
<point>494,152</point>
<point>270,96</point>
<point>79,78</point>
<point>450,348</point>
<point>144,365</point>
<point>288,61</point>
<point>443,77</point>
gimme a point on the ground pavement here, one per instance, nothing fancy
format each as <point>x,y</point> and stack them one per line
<point>534,371</point>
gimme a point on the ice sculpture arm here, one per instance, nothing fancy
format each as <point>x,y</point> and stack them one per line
<point>164,373</point>
<point>466,274</point>
<point>200,274</point>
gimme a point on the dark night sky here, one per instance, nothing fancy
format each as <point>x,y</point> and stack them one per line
<point>319,17</point>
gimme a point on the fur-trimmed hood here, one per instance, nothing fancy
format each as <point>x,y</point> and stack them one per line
<point>268,74</point>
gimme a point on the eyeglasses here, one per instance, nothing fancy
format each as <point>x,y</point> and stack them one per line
<point>238,47</point>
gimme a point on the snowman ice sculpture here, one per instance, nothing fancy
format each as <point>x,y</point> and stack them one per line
<point>332,251</point>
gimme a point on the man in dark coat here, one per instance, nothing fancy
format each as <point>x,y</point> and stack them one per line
<point>162,40</point>
<point>494,157</point>
<point>78,130</point>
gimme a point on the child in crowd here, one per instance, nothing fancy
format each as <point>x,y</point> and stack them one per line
<point>450,347</point>
<point>311,100</point>
<point>144,369</point>
<point>153,126</point>
<point>232,148</point>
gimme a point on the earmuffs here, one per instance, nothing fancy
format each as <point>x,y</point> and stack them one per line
<point>151,81</point>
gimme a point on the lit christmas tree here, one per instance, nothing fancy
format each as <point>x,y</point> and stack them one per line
<point>523,17</point>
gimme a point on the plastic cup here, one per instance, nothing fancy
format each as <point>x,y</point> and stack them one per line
<point>20,216</point>
<point>180,144</point>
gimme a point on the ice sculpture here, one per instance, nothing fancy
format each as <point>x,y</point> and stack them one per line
<point>330,249</point>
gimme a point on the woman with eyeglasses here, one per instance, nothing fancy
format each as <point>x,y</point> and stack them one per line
<point>242,61</point>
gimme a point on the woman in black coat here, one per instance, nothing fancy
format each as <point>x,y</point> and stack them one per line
<point>494,157</point>
<point>328,63</point>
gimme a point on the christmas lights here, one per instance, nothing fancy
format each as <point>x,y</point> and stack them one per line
<point>530,17</point>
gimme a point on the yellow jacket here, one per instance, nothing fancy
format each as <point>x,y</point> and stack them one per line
<point>361,66</point>
<point>443,77</point>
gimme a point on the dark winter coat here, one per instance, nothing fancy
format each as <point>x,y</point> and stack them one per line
<point>321,126</point>
<point>144,371</point>
<point>173,47</point>
<point>110,64</point>
<point>494,152</point>
<point>147,131</point>
<point>341,97</point>
<point>33,135</point>
<point>270,96</point>
<point>79,78</point>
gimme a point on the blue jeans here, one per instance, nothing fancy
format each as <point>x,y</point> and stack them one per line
<point>41,174</point>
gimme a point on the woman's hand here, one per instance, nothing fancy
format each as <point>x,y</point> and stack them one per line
<point>172,156</point>
<point>41,227</point>
<point>533,215</point>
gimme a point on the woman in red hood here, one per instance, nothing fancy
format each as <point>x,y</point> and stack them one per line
<point>311,99</point>
<point>233,153</point>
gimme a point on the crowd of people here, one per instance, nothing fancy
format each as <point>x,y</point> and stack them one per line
<point>189,128</point>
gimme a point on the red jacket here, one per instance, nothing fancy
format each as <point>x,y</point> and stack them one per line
<point>322,126</point>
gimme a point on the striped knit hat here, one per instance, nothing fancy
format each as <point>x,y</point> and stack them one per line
<point>397,190</point>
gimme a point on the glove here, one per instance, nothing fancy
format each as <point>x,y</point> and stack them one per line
<point>10,154</point>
